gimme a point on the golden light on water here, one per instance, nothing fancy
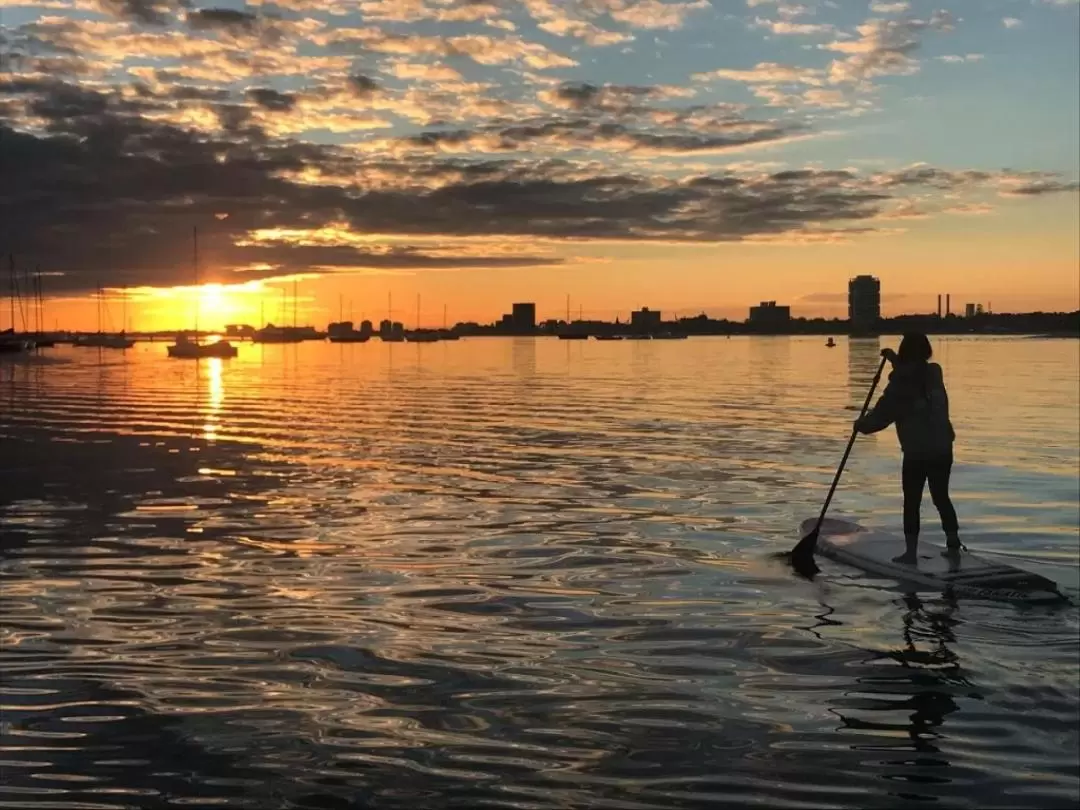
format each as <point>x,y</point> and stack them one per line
<point>214,399</point>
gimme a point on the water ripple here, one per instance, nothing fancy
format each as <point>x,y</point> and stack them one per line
<point>518,574</point>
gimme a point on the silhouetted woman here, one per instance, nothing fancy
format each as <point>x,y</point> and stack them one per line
<point>915,401</point>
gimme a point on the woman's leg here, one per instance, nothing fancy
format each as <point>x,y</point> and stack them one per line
<point>938,474</point>
<point>913,478</point>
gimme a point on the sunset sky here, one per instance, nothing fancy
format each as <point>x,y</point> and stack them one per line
<point>690,156</point>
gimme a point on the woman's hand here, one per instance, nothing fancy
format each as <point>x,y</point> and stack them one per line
<point>889,355</point>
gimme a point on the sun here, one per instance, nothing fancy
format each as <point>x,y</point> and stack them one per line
<point>212,299</point>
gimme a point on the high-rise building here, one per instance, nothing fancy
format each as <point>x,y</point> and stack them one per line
<point>864,303</point>
<point>969,310</point>
<point>523,316</point>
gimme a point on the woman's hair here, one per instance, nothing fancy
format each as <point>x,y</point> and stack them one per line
<point>914,348</point>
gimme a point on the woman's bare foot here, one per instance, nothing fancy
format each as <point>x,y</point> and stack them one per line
<point>906,559</point>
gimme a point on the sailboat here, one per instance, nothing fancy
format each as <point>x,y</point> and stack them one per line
<point>419,335</point>
<point>191,349</point>
<point>572,331</point>
<point>10,342</point>
<point>342,331</point>
<point>104,340</point>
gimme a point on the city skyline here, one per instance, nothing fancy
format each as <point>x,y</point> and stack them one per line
<point>279,307</point>
<point>685,155</point>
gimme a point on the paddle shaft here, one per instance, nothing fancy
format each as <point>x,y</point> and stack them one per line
<point>847,451</point>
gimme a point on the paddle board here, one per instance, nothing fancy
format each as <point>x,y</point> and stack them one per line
<point>967,574</point>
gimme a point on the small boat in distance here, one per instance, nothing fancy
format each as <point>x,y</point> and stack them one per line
<point>830,343</point>
<point>185,348</point>
<point>607,337</point>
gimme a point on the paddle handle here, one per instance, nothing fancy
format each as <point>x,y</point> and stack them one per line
<point>847,451</point>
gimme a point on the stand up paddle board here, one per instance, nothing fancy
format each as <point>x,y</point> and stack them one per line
<point>965,574</point>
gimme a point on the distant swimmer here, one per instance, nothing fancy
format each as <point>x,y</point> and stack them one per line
<point>915,400</point>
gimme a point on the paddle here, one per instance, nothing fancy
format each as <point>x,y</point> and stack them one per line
<point>802,556</point>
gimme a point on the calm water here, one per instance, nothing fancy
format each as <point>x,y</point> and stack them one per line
<point>519,573</point>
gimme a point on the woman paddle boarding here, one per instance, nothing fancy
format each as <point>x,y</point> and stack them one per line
<point>915,401</point>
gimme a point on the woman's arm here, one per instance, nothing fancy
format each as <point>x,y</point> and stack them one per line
<point>883,413</point>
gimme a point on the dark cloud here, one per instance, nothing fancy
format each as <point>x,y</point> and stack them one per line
<point>270,99</point>
<point>583,97</point>
<point>210,19</point>
<point>147,12</point>
<point>588,133</point>
<point>362,85</point>
<point>111,194</point>
<point>1040,187</point>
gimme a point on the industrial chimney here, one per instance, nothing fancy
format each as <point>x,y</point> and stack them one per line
<point>948,304</point>
<point>939,305</point>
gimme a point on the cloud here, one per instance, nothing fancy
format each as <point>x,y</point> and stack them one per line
<point>652,13</point>
<point>890,7</point>
<point>270,99</point>
<point>766,73</point>
<point>788,28</point>
<point>957,59</point>
<point>883,48</point>
<point>225,19</point>
<point>1012,22</point>
<point>147,12</point>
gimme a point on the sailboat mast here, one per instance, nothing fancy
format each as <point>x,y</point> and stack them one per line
<point>444,316</point>
<point>39,321</point>
<point>25,308</point>
<point>341,307</point>
<point>294,303</point>
<point>568,307</point>
<point>418,311</point>
<point>11,281</point>
<point>195,268</point>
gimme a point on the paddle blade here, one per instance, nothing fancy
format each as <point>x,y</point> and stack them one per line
<point>802,556</point>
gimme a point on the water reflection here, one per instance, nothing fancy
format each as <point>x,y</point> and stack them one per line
<point>212,367</point>
<point>469,583</point>
<point>864,355</point>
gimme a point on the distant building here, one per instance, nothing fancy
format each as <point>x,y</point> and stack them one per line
<point>768,315</point>
<point>645,320</point>
<point>969,310</point>
<point>523,316</point>
<point>365,328</point>
<point>864,303</point>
